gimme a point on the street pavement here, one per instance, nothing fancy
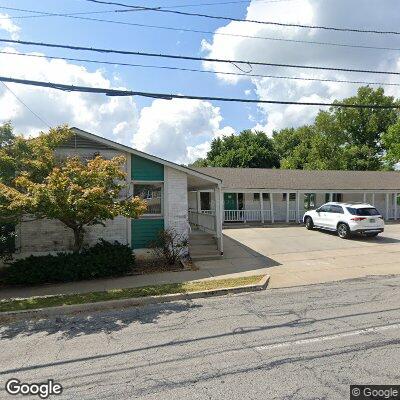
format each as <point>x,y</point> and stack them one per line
<point>307,342</point>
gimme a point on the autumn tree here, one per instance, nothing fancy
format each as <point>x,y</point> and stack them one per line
<point>77,192</point>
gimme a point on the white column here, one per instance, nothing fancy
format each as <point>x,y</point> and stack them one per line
<point>395,206</point>
<point>287,206</point>
<point>262,208</point>
<point>271,200</point>
<point>198,201</point>
<point>298,206</point>
<point>364,198</point>
<point>387,205</point>
<point>330,196</point>
<point>373,199</point>
<point>219,218</point>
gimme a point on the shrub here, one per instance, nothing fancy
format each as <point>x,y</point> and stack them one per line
<point>7,242</point>
<point>100,261</point>
<point>169,246</point>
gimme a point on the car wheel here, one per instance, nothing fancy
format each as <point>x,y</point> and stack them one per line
<point>309,223</point>
<point>343,231</point>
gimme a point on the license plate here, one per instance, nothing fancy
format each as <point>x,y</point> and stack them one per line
<point>372,220</point>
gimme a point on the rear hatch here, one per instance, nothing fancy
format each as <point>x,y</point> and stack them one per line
<point>368,218</point>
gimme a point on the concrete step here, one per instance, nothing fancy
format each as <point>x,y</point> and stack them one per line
<point>202,241</point>
<point>203,249</point>
<point>206,257</point>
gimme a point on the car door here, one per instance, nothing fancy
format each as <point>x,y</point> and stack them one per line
<point>334,216</point>
<point>322,216</point>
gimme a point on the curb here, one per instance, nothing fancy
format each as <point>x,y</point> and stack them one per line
<point>9,316</point>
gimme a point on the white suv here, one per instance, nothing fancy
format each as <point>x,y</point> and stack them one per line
<point>346,219</point>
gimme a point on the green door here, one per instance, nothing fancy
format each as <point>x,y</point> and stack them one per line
<point>230,201</point>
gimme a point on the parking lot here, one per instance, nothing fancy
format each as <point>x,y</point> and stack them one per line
<point>294,256</point>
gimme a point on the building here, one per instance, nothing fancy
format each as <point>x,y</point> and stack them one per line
<point>206,198</point>
<point>277,195</point>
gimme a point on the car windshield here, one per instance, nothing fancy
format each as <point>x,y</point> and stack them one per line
<point>363,211</point>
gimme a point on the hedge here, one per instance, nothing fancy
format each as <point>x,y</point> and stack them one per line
<point>100,261</point>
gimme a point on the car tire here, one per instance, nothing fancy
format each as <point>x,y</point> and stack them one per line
<point>343,231</point>
<point>309,223</point>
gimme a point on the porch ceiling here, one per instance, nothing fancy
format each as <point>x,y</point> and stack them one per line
<point>196,182</point>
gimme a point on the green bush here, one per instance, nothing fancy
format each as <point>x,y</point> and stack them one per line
<point>100,261</point>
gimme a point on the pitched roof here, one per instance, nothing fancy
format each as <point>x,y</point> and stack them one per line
<point>262,178</point>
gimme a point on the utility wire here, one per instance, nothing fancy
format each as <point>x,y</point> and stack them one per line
<point>193,58</point>
<point>199,31</point>
<point>165,96</point>
<point>164,10</point>
<point>197,70</point>
<point>26,106</point>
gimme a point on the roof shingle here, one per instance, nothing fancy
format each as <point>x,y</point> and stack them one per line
<point>262,178</point>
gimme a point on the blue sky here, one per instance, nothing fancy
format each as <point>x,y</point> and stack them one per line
<point>182,130</point>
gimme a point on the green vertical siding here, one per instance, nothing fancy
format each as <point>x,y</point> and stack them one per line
<point>144,231</point>
<point>143,169</point>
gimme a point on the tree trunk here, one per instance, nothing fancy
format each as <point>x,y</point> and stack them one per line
<point>78,238</point>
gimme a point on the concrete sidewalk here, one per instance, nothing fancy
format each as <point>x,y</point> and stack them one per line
<point>296,257</point>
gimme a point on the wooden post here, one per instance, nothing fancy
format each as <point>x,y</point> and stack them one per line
<point>395,206</point>
<point>219,218</point>
<point>373,199</point>
<point>364,198</point>
<point>298,206</point>
<point>330,196</point>
<point>271,200</point>
<point>387,206</point>
<point>262,208</point>
<point>198,202</point>
<point>287,206</point>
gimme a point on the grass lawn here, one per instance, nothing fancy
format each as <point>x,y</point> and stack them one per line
<point>116,294</point>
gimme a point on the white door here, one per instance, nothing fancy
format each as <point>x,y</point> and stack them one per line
<point>334,216</point>
<point>322,216</point>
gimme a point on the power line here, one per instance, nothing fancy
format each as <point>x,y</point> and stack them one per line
<point>77,15</point>
<point>164,96</point>
<point>184,13</point>
<point>26,106</point>
<point>198,70</point>
<point>193,58</point>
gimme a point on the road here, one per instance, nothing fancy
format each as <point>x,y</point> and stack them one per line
<point>307,342</point>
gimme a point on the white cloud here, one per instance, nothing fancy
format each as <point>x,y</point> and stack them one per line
<point>179,130</point>
<point>7,25</point>
<point>112,117</point>
<point>311,12</point>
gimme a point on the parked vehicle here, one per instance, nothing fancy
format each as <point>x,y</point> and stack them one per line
<point>346,219</point>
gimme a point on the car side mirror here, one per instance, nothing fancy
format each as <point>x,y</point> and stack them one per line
<point>318,210</point>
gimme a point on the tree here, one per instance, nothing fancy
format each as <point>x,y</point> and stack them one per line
<point>248,150</point>
<point>77,192</point>
<point>343,138</point>
<point>391,143</point>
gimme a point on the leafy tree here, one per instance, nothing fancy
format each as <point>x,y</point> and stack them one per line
<point>79,193</point>
<point>344,138</point>
<point>248,149</point>
<point>391,143</point>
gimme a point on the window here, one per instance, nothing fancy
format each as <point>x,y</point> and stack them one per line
<point>363,211</point>
<point>241,201</point>
<point>266,196</point>
<point>292,196</point>
<point>309,201</point>
<point>337,209</point>
<point>256,196</point>
<point>337,197</point>
<point>324,209</point>
<point>152,194</point>
<point>205,200</point>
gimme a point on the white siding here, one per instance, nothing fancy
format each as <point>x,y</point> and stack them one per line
<point>176,201</point>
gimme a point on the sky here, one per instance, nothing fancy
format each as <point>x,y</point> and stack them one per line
<point>182,130</point>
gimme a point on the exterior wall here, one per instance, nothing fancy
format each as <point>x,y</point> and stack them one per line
<point>51,235</point>
<point>176,201</point>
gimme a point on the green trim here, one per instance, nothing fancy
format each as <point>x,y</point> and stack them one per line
<point>230,201</point>
<point>144,231</point>
<point>143,169</point>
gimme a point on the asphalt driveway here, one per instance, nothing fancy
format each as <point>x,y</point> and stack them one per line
<point>294,256</point>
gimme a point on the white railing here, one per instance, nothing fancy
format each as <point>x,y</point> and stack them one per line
<point>246,215</point>
<point>292,215</point>
<point>205,222</point>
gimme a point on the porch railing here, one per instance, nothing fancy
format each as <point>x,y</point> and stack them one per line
<point>246,215</point>
<point>206,222</point>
